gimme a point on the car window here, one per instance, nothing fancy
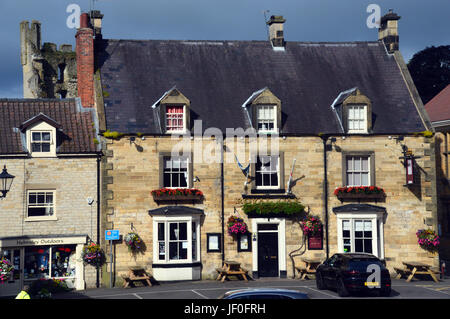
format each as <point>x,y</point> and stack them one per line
<point>361,264</point>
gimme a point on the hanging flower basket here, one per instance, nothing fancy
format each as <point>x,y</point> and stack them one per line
<point>359,192</point>
<point>236,226</point>
<point>92,254</point>
<point>134,242</point>
<point>5,269</point>
<point>311,225</point>
<point>428,239</point>
<point>173,194</point>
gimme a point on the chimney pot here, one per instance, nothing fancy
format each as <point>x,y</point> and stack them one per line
<point>84,21</point>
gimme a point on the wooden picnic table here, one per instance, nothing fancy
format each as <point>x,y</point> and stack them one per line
<point>136,274</point>
<point>309,269</point>
<point>231,268</point>
<point>417,268</point>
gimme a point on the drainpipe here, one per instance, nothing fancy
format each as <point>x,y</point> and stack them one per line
<point>98,211</point>
<point>223,199</point>
<point>325,191</point>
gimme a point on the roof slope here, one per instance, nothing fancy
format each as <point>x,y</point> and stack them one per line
<point>76,131</point>
<point>438,108</point>
<point>219,76</point>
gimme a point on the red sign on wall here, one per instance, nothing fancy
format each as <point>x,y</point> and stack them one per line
<point>315,242</point>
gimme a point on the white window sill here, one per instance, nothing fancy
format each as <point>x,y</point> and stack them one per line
<point>40,219</point>
<point>357,132</point>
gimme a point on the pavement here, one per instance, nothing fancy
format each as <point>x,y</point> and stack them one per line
<point>211,289</point>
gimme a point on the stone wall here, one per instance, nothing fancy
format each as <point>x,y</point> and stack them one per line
<point>73,179</point>
<point>131,173</point>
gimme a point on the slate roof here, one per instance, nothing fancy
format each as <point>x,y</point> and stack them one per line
<point>219,76</point>
<point>75,133</point>
<point>438,108</point>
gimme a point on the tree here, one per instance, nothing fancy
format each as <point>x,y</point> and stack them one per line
<point>430,70</point>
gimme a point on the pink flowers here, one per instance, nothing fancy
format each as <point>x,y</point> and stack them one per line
<point>236,225</point>
<point>311,225</point>
<point>5,269</point>
<point>428,239</point>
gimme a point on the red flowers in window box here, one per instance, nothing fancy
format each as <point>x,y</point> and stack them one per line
<point>177,194</point>
<point>359,192</point>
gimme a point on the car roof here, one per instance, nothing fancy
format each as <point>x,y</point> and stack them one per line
<point>357,255</point>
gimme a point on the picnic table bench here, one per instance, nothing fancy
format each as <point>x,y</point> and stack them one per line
<point>231,268</point>
<point>135,274</point>
<point>309,269</point>
<point>413,268</point>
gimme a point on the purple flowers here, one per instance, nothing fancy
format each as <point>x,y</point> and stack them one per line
<point>5,269</point>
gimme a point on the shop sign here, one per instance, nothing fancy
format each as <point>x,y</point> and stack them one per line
<point>19,242</point>
<point>315,242</point>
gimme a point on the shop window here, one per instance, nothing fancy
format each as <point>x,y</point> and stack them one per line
<point>38,263</point>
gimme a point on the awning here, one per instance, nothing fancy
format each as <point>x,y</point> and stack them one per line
<point>359,208</point>
<point>175,211</point>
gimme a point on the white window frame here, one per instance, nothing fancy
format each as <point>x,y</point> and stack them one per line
<point>176,219</point>
<point>377,231</point>
<point>275,128</point>
<point>362,120</point>
<point>186,174</point>
<point>183,130</point>
<point>42,127</point>
<point>278,172</point>
<point>360,171</point>
<point>44,217</point>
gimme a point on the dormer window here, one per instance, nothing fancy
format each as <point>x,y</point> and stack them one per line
<point>264,111</point>
<point>40,142</point>
<point>173,112</point>
<point>40,134</point>
<point>357,118</point>
<point>175,118</point>
<point>266,118</point>
<point>354,112</point>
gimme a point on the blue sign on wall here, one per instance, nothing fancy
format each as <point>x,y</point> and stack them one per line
<point>112,234</point>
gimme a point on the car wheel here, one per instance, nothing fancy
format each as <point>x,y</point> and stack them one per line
<point>341,290</point>
<point>319,282</point>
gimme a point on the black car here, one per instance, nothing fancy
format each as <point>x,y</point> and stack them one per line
<point>354,272</point>
<point>264,293</point>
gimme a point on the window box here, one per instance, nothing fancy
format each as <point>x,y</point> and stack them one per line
<point>177,194</point>
<point>360,192</point>
<point>273,209</point>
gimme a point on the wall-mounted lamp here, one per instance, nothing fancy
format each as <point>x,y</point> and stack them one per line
<point>6,182</point>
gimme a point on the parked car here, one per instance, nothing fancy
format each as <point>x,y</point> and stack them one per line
<point>264,293</point>
<point>353,272</point>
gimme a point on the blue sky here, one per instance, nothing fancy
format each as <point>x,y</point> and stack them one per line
<point>423,23</point>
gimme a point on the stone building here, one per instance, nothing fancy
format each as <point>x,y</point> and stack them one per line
<point>48,72</point>
<point>438,110</point>
<point>51,210</point>
<point>258,130</point>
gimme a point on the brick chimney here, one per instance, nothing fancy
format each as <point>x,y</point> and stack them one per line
<point>388,31</point>
<point>85,61</point>
<point>276,33</point>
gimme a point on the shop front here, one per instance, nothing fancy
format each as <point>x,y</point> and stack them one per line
<point>43,257</point>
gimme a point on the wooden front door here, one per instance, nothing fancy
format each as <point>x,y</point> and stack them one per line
<point>268,254</point>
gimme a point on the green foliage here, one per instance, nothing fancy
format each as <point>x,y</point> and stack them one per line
<point>113,135</point>
<point>265,208</point>
<point>430,70</point>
